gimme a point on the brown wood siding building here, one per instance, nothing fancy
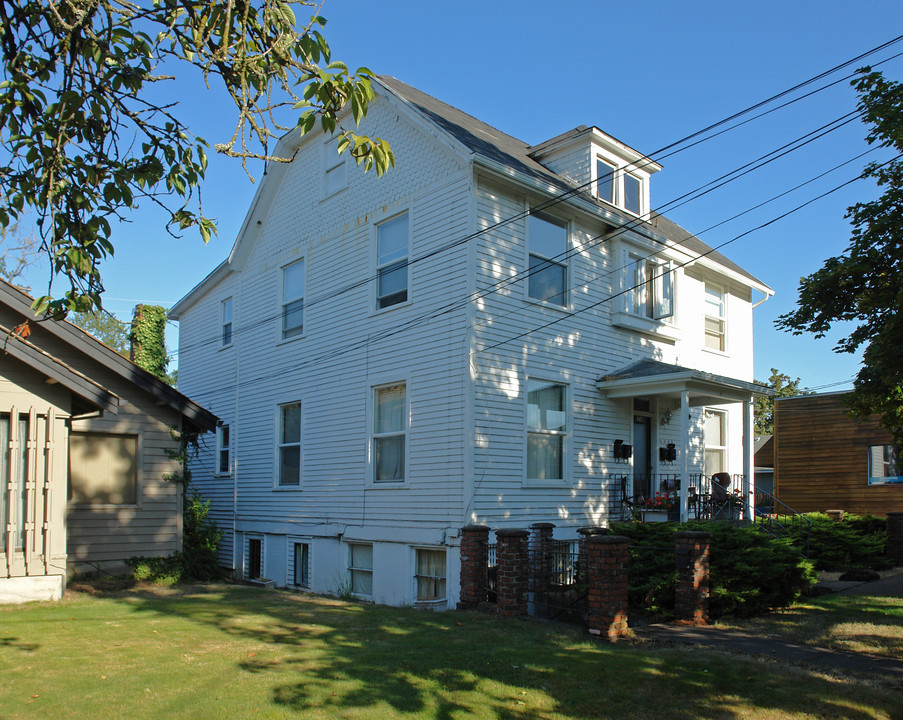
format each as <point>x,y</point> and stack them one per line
<point>821,458</point>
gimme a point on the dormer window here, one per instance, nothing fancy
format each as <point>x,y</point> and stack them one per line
<point>619,187</point>
<point>605,181</point>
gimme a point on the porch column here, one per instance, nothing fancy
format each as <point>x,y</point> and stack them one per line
<point>684,453</point>
<point>748,471</point>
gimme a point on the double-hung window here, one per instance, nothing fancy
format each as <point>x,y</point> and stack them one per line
<point>392,261</point>
<point>223,450</point>
<point>226,312</point>
<point>715,442</point>
<point>714,318</point>
<point>546,430</point>
<point>389,430</point>
<point>548,240</point>
<point>360,568</point>
<point>293,299</point>
<point>290,445</point>
<point>885,464</point>
<point>652,292</point>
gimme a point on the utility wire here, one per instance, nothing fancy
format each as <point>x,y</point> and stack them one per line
<point>560,198</point>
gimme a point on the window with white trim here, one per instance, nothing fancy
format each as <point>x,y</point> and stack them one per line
<point>335,176</point>
<point>223,450</point>
<point>301,565</point>
<point>360,568</point>
<point>430,575</point>
<point>546,430</point>
<point>226,317</point>
<point>389,430</point>
<point>289,447</point>
<point>548,242</point>
<point>714,317</point>
<point>633,188</point>
<point>651,290</point>
<point>715,442</point>
<point>293,299</point>
<point>605,181</point>
<point>885,464</point>
<point>619,187</point>
<point>392,261</point>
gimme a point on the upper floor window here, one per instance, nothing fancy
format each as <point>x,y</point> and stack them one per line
<point>652,292</point>
<point>605,181</point>
<point>290,445</point>
<point>293,299</point>
<point>885,464</point>
<point>392,262</point>
<point>546,430</point>
<point>618,187</point>
<point>632,188</point>
<point>714,318</point>
<point>335,173</point>
<point>548,242</point>
<point>389,429</point>
<point>223,450</point>
<point>226,313</point>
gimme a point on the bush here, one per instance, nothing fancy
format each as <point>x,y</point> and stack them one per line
<point>854,543</point>
<point>200,538</point>
<point>167,570</point>
<point>750,572</point>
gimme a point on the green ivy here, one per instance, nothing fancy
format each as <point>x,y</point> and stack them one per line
<point>149,341</point>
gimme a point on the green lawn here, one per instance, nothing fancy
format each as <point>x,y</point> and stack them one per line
<point>843,622</point>
<point>239,652</point>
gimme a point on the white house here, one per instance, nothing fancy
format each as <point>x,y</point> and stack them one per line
<point>465,340</point>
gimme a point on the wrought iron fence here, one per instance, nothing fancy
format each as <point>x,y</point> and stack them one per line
<point>557,581</point>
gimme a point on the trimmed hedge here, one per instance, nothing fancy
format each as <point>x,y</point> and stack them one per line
<point>751,573</point>
<point>853,543</point>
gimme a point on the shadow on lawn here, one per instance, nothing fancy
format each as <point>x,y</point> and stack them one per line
<point>338,657</point>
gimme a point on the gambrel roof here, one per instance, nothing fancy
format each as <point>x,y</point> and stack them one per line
<point>495,151</point>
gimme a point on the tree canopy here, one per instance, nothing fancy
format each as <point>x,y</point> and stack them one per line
<point>783,386</point>
<point>84,142</point>
<point>864,285</point>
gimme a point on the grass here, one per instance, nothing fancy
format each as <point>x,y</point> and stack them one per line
<point>240,652</point>
<point>842,622</point>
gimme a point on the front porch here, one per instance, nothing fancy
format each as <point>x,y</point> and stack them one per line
<point>656,498</point>
<point>660,394</point>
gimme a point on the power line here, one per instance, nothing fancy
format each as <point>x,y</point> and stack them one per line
<point>560,198</point>
<point>565,314</point>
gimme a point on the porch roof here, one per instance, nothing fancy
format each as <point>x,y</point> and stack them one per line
<point>653,378</point>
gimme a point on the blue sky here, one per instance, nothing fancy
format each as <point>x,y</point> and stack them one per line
<point>648,73</point>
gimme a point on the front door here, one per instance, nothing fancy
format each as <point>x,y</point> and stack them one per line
<point>642,456</point>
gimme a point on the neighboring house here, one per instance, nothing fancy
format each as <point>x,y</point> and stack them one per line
<point>763,450</point>
<point>469,339</point>
<point>826,460</point>
<point>85,443</point>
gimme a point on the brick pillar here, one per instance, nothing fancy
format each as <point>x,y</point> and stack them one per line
<point>474,560</point>
<point>511,563</point>
<point>607,594</point>
<point>541,556</point>
<point>691,557</point>
<point>585,534</point>
<point>894,545</point>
